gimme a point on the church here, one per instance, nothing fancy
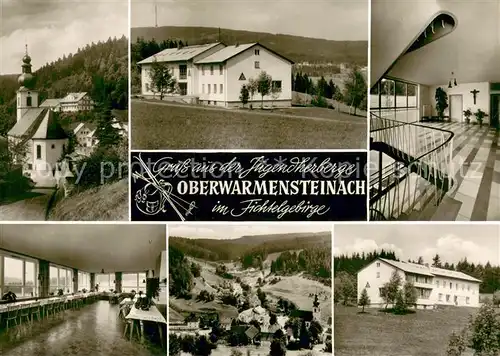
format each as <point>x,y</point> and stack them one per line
<point>37,140</point>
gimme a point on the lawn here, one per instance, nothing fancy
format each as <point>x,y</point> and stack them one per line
<point>157,125</point>
<point>425,333</point>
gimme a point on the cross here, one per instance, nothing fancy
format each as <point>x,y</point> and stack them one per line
<point>474,92</point>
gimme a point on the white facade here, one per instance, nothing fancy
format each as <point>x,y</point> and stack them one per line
<point>26,100</point>
<point>216,76</point>
<point>435,286</point>
<point>74,102</point>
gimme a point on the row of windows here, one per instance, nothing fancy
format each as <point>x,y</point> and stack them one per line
<point>221,70</point>
<point>455,298</point>
<point>451,285</point>
<point>130,282</point>
<point>393,94</point>
<point>209,88</point>
<point>20,275</point>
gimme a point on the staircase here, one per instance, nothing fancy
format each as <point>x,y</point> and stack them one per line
<point>413,172</point>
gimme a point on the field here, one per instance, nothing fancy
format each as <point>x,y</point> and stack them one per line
<point>424,333</point>
<point>157,125</point>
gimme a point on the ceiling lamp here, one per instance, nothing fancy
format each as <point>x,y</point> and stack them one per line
<point>102,271</point>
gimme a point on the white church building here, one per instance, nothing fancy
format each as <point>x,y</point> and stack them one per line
<point>213,74</point>
<point>435,286</point>
<point>37,131</point>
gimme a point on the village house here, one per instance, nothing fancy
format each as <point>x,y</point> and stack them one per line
<point>74,102</point>
<point>435,286</point>
<point>52,104</point>
<point>213,74</point>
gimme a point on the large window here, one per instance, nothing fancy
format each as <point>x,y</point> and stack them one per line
<point>393,94</point>
<point>19,276</point>
<point>134,281</point>
<point>83,281</point>
<point>60,278</point>
<point>106,282</point>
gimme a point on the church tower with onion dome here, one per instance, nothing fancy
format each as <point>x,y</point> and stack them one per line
<point>27,97</point>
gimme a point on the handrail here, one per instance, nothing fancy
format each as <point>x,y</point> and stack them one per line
<point>450,137</point>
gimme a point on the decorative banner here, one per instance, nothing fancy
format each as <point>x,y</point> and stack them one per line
<point>256,186</point>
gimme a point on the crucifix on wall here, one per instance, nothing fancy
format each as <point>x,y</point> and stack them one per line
<point>474,93</point>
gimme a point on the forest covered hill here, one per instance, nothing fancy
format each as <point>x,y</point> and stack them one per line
<point>100,69</point>
<point>296,48</point>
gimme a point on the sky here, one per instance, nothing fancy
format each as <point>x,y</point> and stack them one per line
<point>479,243</point>
<point>234,231</point>
<point>329,19</point>
<point>52,28</point>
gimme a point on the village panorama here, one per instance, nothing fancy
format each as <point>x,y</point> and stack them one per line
<point>243,290</point>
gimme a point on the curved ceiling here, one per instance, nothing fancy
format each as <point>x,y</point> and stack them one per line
<point>471,51</point>
<point>90,248</point>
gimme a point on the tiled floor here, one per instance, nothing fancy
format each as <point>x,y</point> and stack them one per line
<point>476,163</point>
<point>92,330</point>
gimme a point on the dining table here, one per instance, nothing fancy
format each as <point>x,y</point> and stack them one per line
<point>150,315</point>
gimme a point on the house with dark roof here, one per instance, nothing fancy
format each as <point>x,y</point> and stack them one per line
<point>214,74</point>
<point>37,138</point>
<point>74,102</point>
<point>435,286</point>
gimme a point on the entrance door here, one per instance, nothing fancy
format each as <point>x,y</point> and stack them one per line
<point>183,88</point>
<point>495,110</point>
<point>456,108</point>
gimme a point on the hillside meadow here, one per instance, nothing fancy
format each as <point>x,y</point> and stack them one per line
<point>375,333</point>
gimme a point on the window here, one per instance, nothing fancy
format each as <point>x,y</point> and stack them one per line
<point>30,166</point>
<point>378,274</point>
<point>221,87</point>
<point>451,285</point>
<point>440,297</point>
<point>203,88</point>
<point>208,85</point>
<point>83,281</point>
<point>437,283</point>
<point>28,101</point>
<point>60,278</point>
<point>147,87</point>
<point>212,70</point>
<point>202,70</point>
<point>257,52</point>
<point>447,297</point>
<point>53,146</point>
<point>444,284</point>
<point>182,71</point>
<point>468,288</point>
<point>378,264</point>
<point>221,69</point>
<point>242,77</point>
<point>105,281</point>
<point>20,276</point>
<point>463,286</point>
<point>133,281</point>
<point>215,88</point>
<point>257,65</point>
<point>467,300</point>
<point>276,84</point>
<point>456,286</point>
<point>38,152</point>
<point>392,94</point>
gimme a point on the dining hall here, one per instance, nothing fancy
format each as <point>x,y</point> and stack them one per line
<point>83,289</point>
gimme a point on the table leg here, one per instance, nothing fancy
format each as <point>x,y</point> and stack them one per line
<point>160,330</point>
<point>142,331</point>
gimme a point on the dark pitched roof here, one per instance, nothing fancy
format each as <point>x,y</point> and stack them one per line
<point>306,315</point>
<point>49,128</point>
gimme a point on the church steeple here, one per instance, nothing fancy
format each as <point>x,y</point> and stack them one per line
<point>27,97</point>
<point>26,79</point>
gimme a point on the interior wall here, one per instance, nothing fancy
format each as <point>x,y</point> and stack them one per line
<point>464,89</point>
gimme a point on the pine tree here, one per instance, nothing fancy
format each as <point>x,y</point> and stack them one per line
<point>364,300</point>
<point>105,132</point>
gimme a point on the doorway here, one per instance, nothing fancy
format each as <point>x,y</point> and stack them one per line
<point>456,108</point>
<point>495,110</point>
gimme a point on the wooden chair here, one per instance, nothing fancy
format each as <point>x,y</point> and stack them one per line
<point>12,315</point>
<point>49,308</point>
<point>24,314</point>
<point>35,311</point>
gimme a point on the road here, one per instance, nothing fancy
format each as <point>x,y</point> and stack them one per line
<point>30,209</point>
